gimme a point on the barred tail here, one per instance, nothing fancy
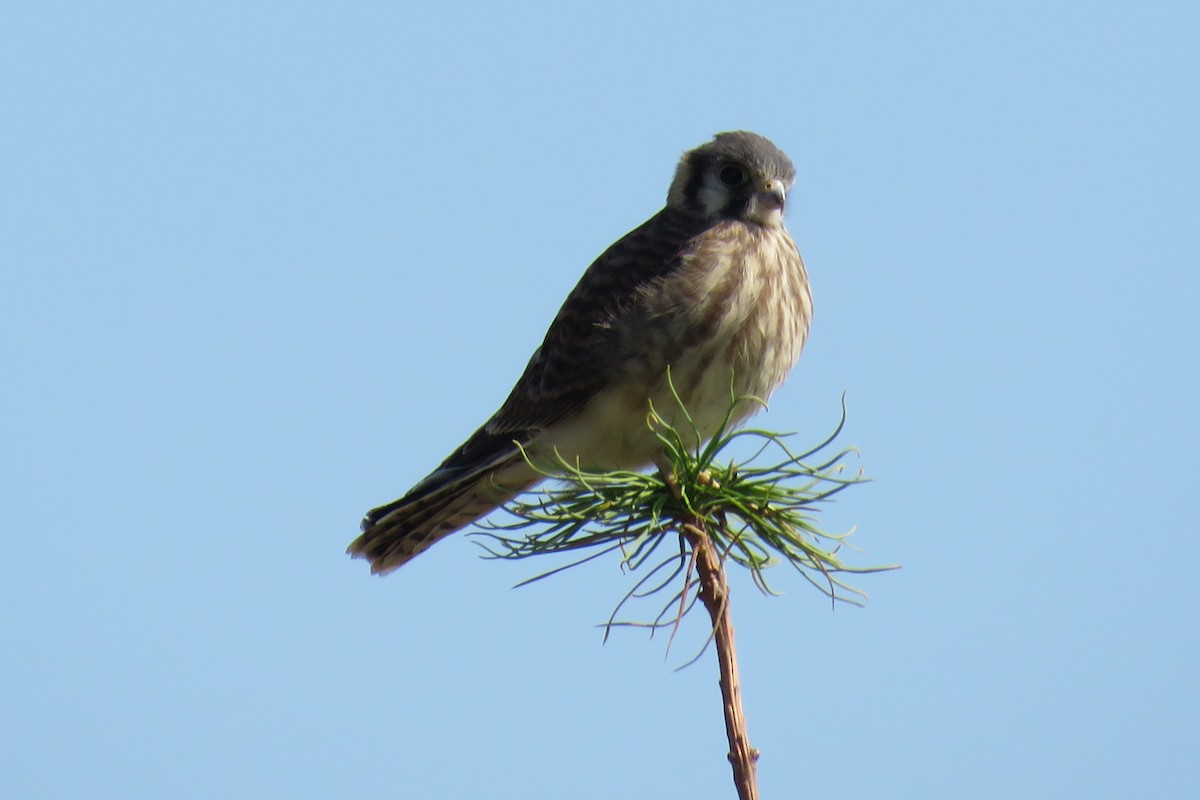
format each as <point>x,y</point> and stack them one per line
<point>394,533</point>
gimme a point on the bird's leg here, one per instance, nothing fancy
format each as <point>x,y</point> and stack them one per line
<point>666,470</point>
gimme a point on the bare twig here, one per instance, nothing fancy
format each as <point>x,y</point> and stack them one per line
<point>714,593</point>
<point>723,512</point>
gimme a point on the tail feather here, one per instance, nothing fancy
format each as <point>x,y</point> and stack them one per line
<point>394,533</point>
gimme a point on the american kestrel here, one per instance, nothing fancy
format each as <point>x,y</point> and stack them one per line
<point>711,287</point>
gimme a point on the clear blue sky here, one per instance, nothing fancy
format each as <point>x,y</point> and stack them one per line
<point>265,264</point>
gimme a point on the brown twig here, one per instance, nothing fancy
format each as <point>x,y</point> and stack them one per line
<point>714,593</point>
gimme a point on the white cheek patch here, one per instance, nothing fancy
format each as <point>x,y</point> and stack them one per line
<point>713,197</point>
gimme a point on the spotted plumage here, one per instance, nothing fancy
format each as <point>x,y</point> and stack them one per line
<point>711,287</point>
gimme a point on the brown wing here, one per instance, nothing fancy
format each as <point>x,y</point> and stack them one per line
<point>573,363</point>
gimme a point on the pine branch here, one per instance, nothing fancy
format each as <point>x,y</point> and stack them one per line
<point>717,512</point>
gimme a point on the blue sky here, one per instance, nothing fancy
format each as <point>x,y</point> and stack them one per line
<point>265,264</point>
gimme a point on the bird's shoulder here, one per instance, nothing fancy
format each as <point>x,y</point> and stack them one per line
<point>571,365</point>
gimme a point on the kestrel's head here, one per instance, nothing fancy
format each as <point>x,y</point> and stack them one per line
<point>738,175</point>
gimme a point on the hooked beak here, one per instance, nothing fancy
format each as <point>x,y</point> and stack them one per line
<point>769,201</point>
<point>773,196</point>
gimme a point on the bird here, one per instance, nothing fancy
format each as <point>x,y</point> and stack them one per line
<point>711,289</point>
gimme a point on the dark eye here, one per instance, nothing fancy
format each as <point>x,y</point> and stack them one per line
<point>732,175</point>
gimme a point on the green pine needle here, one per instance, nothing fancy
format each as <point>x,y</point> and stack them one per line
<point>759,516</point>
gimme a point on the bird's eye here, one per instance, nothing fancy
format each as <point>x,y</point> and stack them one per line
<point>732,175</point>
